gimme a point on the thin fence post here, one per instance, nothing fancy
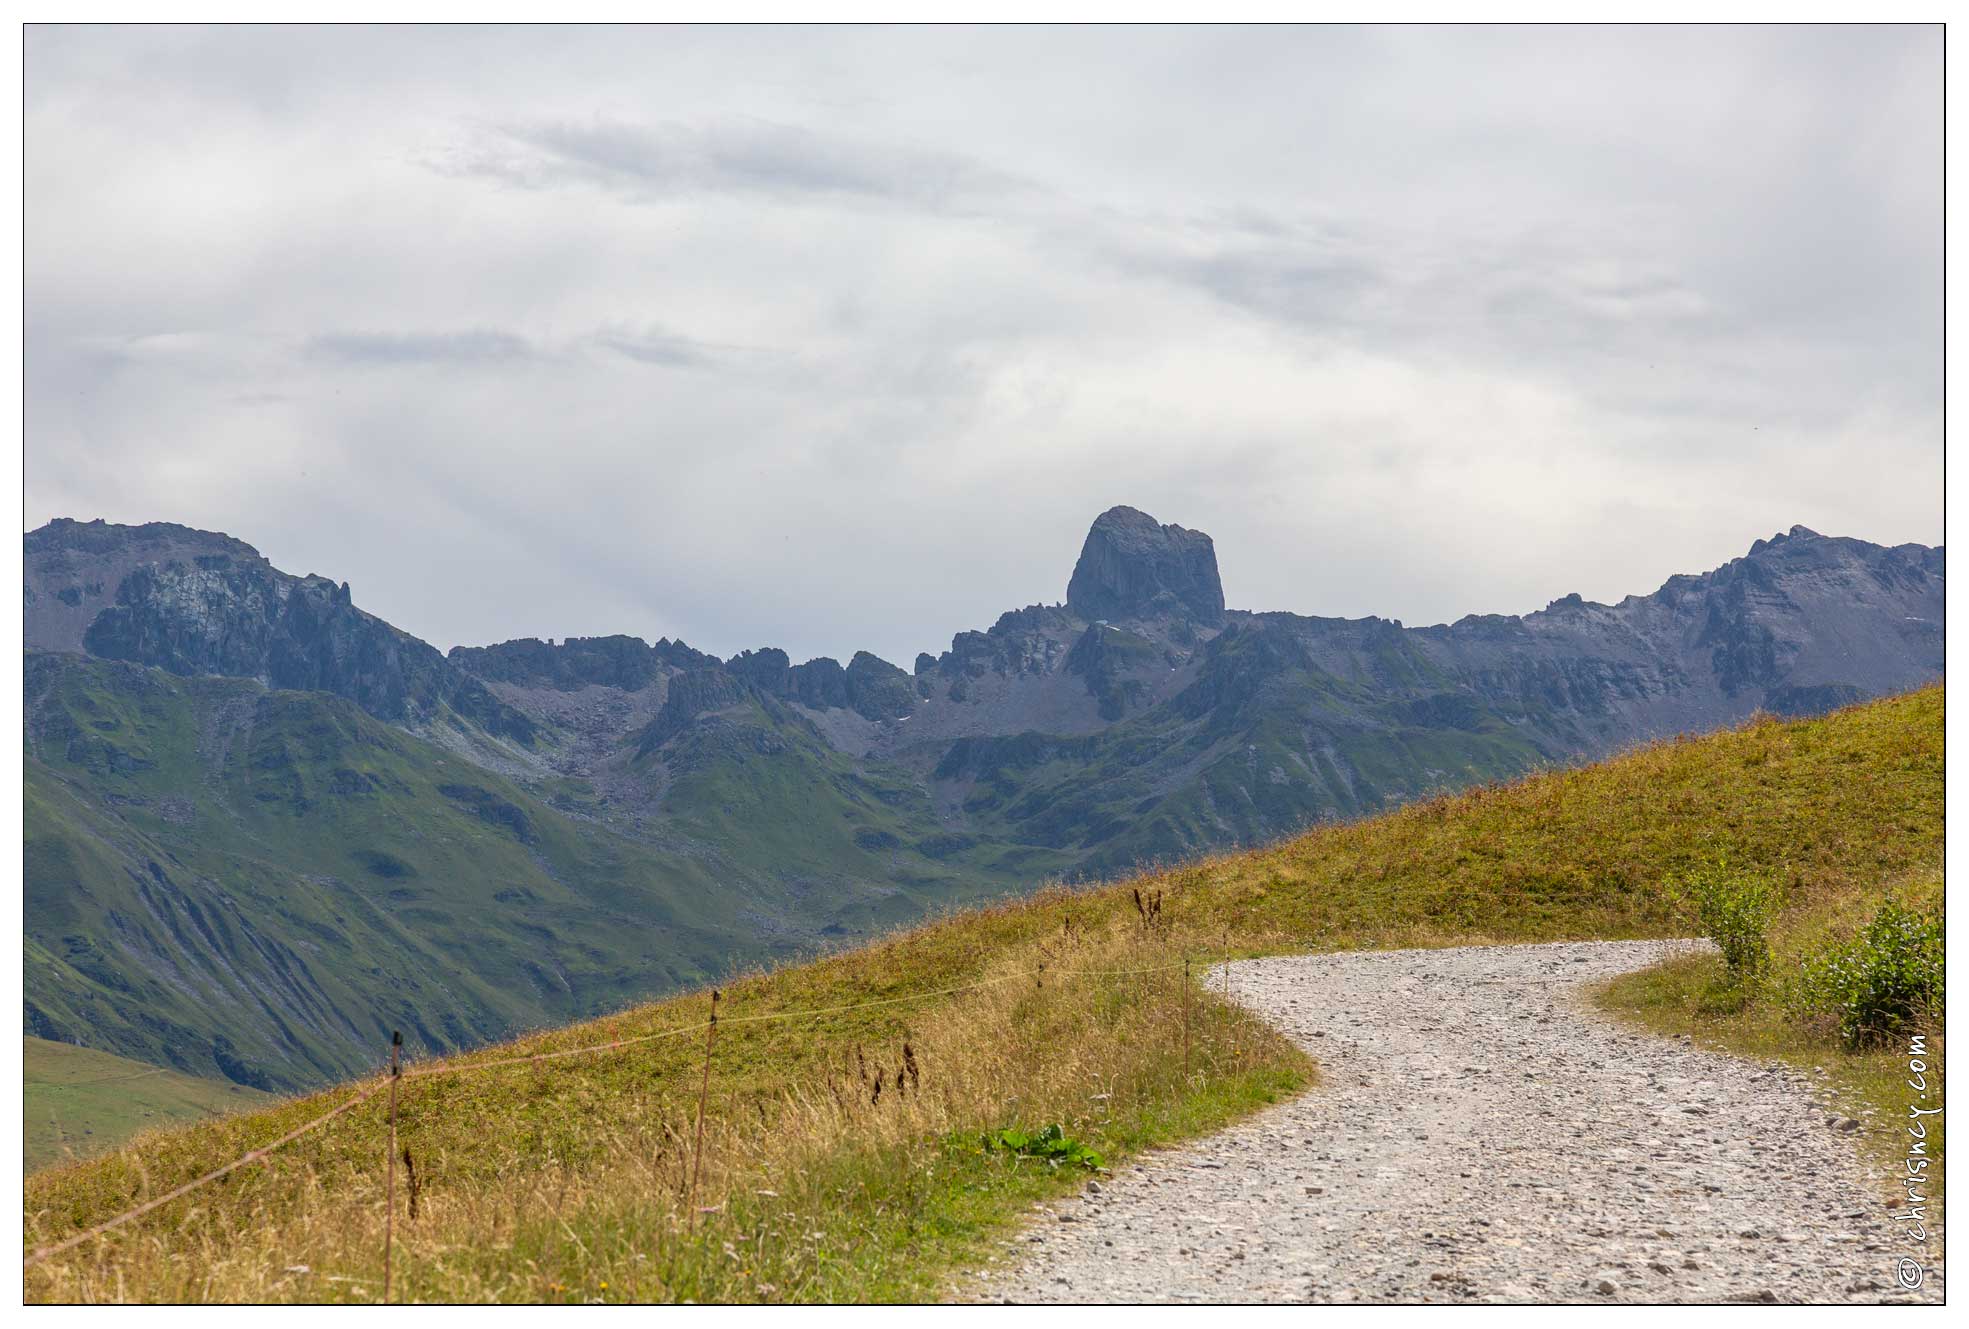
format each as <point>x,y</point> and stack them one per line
<point>390,1191</point>
<point>1186,1021</point>
<point>703,1093</point>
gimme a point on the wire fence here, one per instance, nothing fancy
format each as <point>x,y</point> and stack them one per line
<point>707,1027</point>
<point>250,1156</point>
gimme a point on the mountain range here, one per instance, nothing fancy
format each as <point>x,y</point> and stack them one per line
<point>264,827</point>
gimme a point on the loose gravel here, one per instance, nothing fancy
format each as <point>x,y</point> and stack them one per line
<point>1481,1134</point>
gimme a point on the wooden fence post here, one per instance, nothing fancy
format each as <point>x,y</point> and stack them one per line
<point>1186,1022</point>
<point>390,1191</point>
<point>703,1093</point>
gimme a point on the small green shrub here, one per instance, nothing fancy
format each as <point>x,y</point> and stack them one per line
<point>1051,1144</point>
<point>1875,985</point>
<point>1734,909</point>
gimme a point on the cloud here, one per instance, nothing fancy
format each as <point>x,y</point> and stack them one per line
<point>656,162</point>
<point>473,347</point>
<point>496,349</point>
<point>654,346</point>
<point>838,338</point>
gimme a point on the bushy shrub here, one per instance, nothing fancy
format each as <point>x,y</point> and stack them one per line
<point>1878,983</point>
<point>1734,909</point>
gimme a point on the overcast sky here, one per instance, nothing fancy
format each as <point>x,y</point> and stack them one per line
<point>839,338</point>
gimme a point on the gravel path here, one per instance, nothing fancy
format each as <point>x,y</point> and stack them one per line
<point>1482,1134</point>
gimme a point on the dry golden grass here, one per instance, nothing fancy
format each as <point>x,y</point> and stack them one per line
<point>565,1180</point>
<point>568,1180</point>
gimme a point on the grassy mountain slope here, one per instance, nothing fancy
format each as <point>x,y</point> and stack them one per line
<point>80,1102</point>
<point>566,1179</point>
<point>261,884</point>
<point>854,842</point>
<point>1263,740</point>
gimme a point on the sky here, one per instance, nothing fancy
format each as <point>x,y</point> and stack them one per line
<point>839,338</point>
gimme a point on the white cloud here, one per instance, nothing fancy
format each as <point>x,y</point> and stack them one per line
<point>838,338</point>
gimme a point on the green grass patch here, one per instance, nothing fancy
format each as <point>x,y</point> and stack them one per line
<point>80,1102</point>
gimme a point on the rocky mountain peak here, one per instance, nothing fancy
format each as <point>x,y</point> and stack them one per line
<point>67,536</point>
<point>1132,566</point>
<point>194,603</point>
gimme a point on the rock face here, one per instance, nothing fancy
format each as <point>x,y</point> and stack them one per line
<point>74,569</point>
<point>191,603</point>
<point>877,689</point>
<point>628,663</point>
<point>1131,566</point>
<point>692,693</point>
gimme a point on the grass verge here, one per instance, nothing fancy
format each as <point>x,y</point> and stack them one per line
<point>1694,995</point>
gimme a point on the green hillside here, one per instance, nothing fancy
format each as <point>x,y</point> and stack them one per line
<point>854,841</point>
<point>569,1180</point>
<point>260,884</point>
<point>1264,741</point>
<point>81,1102</point>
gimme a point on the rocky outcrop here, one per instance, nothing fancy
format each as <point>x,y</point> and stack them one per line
<point>768,670</point>
<point>1132,566</point>
<point>1801,623</point>
<point>1109,659</point>
<point>195,603</point>
<point>877,689</point>
<point>869,685</point>
<point>1240,665</point>
<point>820,683</point>
<point>73,570</point>
<point>628,663</point>
<point>692,693</point>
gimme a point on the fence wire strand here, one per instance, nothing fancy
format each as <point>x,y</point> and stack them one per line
<point>251,1156</point>
<point>441,1069</point>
